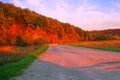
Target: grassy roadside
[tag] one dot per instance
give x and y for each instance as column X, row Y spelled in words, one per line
column 114, row 49
column 13, row 69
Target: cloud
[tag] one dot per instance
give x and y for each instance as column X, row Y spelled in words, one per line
column 61, row 10
column 34, row 2
column 85, row 15
column 35, row 5
column 89, row 17
column 18, row 3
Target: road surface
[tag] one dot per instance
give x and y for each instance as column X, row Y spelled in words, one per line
column 61, row 62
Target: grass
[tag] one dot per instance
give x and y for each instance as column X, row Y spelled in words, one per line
column 14, row 53
column 101, row 45
column 13, row 69
column 114, row 49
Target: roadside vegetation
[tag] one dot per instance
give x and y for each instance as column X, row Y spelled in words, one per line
column 111, row 45
column 13, row 64
column 9, row 54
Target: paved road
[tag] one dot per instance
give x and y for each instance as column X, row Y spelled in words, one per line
column 74, row 63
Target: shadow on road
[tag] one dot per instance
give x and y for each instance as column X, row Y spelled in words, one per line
column 43, row 70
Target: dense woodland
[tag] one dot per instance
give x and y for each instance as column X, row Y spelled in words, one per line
column 22, row 27
column 109, row 34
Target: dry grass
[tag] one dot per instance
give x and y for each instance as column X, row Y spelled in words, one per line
column 10, row 54
column 103, row 44
column 113, row 45
column 16, row 67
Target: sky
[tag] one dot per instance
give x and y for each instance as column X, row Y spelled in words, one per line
column 86, row 14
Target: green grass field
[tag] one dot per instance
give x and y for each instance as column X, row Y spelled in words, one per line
column 16, row 68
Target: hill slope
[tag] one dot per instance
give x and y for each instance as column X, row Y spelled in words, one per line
column 25, row 27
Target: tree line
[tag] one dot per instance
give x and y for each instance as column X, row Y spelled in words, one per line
column 109, row 34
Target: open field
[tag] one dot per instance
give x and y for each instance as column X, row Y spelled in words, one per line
column 113, row 45
column 17, row 61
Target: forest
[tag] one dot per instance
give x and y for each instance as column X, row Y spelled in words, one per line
column 23, row 27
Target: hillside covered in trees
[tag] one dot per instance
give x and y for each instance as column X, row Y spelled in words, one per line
column 109, row 34
column 25, row 27
column 22, row 27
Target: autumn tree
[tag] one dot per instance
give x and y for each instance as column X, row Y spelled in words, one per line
column 20, row 42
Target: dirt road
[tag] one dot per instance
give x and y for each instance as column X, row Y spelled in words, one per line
column 74, row 63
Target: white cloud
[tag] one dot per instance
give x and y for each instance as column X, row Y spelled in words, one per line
column 18, row 3
column 89, row 17
column 86, row 15
column 34, row 2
